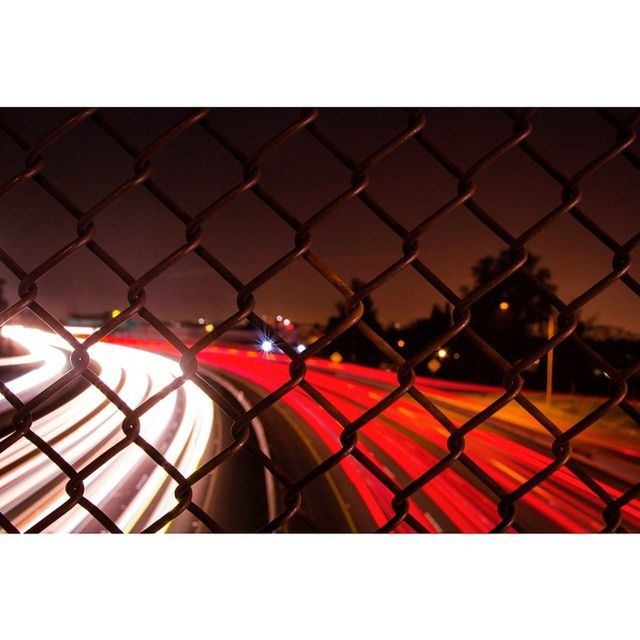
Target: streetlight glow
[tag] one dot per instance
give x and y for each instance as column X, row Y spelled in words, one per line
column 442, row 353
column 504, row 305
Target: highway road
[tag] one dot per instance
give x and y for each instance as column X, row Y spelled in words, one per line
column 405, row 441
column 297, row 434
column 131, row 488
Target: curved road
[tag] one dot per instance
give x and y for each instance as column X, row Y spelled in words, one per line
column 130, row 488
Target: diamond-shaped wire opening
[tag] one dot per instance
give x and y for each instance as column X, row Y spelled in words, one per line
column 343, row 124
column 410, row 184
column 516, row 191
column 611, row 197
column 571, row 137
column 48, row 225
column 246, row 226
column 466, row 134
column 572, row 280
column 86, row 165
column 267, row 123
column 190, row 291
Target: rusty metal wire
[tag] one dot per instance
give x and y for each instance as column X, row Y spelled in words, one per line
column 309, row 123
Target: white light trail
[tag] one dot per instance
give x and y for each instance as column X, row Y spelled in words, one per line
column 87, row 425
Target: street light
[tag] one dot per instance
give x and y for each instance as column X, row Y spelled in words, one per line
column 504, row 305
column 442, row 353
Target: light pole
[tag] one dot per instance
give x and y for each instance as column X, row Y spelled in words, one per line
column 551, row 328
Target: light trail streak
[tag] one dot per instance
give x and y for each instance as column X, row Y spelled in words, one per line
column 41, row 349
column 88, row 424
column 404, row 440
column 408, row 441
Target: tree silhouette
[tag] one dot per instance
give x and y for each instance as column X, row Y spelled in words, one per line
column 526, row 303
column 512, row 316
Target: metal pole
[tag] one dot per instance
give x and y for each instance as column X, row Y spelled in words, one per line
column 551, row 327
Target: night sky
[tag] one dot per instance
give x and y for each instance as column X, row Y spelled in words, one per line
column 247, row 236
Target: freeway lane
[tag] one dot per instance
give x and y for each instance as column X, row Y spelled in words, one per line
column 405, row 441
column 132, row 489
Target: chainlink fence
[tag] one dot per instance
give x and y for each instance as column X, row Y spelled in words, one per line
column 291, row 487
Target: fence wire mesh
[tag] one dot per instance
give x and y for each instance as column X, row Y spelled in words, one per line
column 291, row 488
